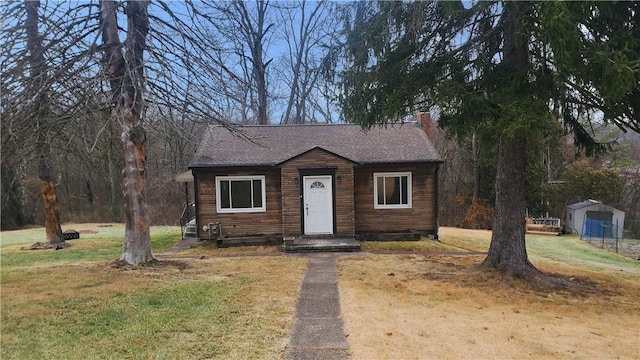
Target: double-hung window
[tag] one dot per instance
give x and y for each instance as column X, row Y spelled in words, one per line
column 240, row 193
column 392, row 190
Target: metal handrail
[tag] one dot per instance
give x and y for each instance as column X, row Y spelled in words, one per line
column 188, row 214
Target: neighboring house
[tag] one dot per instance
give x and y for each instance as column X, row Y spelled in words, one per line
column 317, row 180
column 594, row 219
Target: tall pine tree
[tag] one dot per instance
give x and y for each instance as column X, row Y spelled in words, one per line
column 506, row 70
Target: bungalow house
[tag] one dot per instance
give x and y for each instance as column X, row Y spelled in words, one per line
column 329, row 181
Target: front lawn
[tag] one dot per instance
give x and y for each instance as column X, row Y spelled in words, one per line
column 75, row 303
column 439, row 305
column 421, row 300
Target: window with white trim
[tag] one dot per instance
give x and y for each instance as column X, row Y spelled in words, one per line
column 392, row 190
column 240, row 193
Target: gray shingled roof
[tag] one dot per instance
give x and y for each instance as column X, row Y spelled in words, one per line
column 587, row 203
column 580, row 205
column 275, row 144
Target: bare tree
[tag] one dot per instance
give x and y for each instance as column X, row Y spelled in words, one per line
column 254, row 29
column 198, row 69
column 243, row 30
column 308, row 33
column 125, row 69
column 39, row 90
column 46, row 70
column 230, row 46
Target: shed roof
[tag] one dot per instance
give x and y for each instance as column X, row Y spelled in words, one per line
column 270, row 145
column 594, row 203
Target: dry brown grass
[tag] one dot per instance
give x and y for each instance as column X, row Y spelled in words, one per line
column 436, row 306
column 210, row 249
column 429, row 303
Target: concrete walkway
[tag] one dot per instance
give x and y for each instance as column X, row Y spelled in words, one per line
column 181, row 245
column 318, row 329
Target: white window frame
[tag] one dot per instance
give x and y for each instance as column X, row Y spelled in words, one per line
column 391, row 206
column 251, row 178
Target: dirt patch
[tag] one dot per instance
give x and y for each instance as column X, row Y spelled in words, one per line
column 209, row 249
column 155, row 264
column 464, row 273
column 87, row 231
column 46, row 246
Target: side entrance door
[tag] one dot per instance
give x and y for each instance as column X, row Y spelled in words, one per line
column 317, row 202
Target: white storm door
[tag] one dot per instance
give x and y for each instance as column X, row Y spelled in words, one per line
column 317, row 202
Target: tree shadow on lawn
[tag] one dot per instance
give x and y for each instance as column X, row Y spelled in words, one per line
column 466, row 271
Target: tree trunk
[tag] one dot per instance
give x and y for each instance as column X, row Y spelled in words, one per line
column 39, row 90
column 127, row 83
column 51, row 210
column 507, row 251
column 136, row 248
column 137, row 240
column 293, row 93
column 259, row 66
column 253, row 30
column 261, row 85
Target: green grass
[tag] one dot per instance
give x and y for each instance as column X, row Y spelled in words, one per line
column 571, row 250
column 187, row 320
column 566, row 249
column 126, row 325
column 72, row 304
column 88, row 232
column 106, row 244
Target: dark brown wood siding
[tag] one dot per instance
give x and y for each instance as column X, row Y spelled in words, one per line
column 317, row 160
column 268, row 223
column 421, row 215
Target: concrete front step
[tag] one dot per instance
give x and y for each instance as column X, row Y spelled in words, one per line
column 321, row 245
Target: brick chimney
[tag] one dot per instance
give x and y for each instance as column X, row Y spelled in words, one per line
column 425, row 121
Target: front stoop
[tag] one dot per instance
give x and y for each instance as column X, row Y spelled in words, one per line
column 320, row 245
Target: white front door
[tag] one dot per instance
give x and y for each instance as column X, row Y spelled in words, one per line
column 317, row 205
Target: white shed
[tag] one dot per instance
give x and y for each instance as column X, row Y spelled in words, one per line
column 576, row 214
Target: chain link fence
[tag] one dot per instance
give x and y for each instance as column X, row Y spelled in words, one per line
column 608, row 235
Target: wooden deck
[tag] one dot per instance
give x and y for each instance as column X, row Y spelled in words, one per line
column 544, row 226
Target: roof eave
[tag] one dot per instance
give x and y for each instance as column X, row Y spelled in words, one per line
column 429, row 161
column 209, row 166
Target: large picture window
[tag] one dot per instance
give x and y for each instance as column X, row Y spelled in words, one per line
column 240, row 193
column 392, row 190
